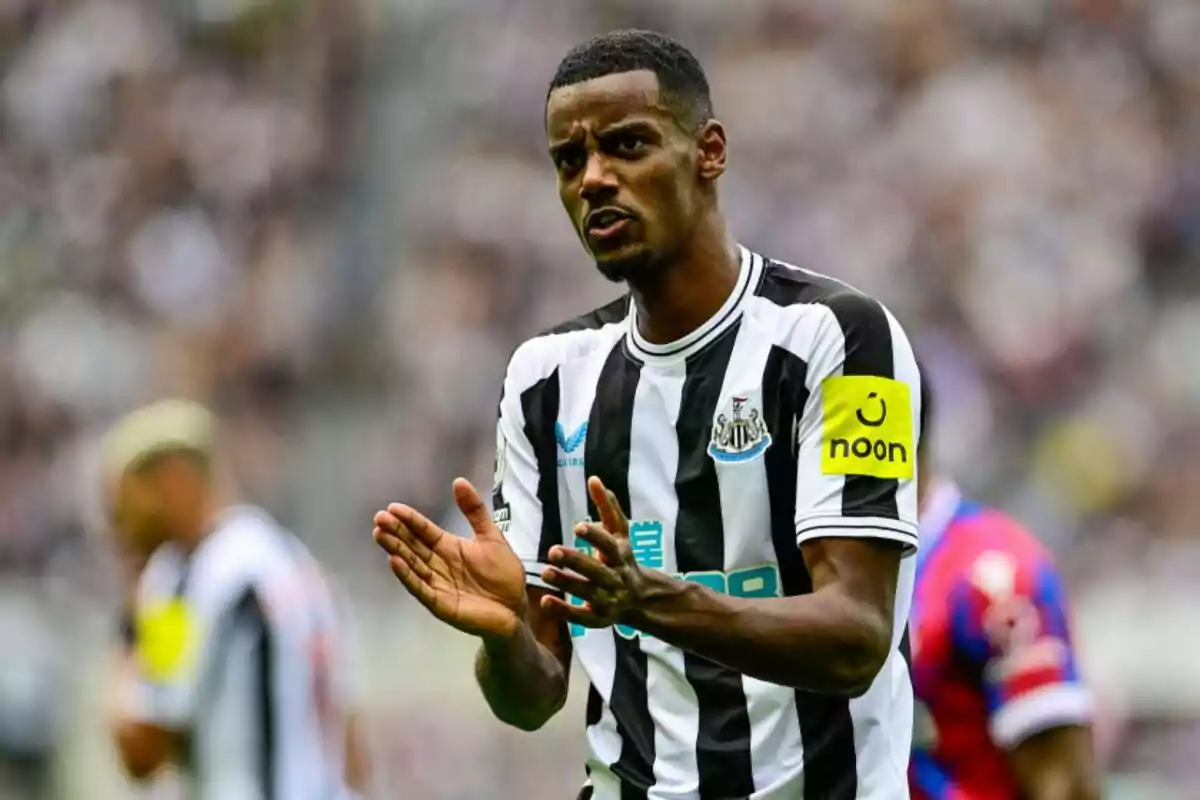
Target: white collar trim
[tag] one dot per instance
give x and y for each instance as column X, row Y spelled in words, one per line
column 747, row 284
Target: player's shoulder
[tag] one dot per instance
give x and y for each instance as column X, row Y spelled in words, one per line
column 995, row 554
column 788, row 285
column 246, row 544
column 993, row 529
column 539, row 355
column 795, row 295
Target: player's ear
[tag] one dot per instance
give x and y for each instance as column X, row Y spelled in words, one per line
column 710, row 144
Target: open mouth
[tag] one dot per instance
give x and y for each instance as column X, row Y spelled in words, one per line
column 606, row 222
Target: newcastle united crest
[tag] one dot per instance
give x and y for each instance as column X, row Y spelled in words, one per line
column 741, row 436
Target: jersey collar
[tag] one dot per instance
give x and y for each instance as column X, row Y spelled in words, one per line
column 748, row 279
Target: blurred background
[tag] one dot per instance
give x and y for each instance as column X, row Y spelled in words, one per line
column 334, row 220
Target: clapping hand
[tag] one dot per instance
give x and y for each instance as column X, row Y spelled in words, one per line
column 610, row 583
column 475, row 585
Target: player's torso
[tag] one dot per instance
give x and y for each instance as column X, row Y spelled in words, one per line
column 700, row 451
column 270, row 698
column 954, row 757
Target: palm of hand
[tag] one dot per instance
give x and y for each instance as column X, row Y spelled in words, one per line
column 478, row 585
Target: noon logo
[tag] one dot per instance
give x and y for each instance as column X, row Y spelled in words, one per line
column 568, row 445
column 867, row 427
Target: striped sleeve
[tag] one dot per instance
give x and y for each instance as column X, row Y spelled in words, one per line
column 858, row 431
column 525, row 480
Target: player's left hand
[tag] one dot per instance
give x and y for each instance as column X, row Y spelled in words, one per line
column 610, row 583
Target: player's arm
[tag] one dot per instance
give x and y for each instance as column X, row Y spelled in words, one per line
column 1010, row 620
column 358, row 763
column 524, row 677
column 141, row 750
column 855, row 519
column 178, row 640
column 1057, row 764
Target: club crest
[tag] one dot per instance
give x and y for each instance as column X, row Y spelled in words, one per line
column 740, row 436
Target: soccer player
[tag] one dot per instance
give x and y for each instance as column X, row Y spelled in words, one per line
column 705, row 489
column 234, row 662
column 1001, row 711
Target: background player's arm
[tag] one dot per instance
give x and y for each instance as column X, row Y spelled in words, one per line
column 525, row 678
column 854, row 519
column 358, row 762
column 1010, row 620
column 176, row 642
column 141, row 749
column 1056, row 764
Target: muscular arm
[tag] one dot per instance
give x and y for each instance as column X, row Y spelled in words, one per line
column 1056, row 764
column 834, row 640
column 525, row 678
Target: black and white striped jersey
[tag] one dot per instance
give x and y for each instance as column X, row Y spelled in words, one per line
column 791, row 415
column 242, row 649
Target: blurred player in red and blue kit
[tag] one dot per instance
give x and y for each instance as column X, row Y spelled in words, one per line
column 1001, row 709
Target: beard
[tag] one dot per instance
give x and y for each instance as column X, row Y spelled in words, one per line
column 637, row 266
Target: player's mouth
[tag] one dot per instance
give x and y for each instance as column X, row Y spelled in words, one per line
column 606, row 223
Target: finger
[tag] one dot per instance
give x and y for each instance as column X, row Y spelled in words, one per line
column 599, row 537
column 610, row 510
column 412, row 582
column 581, row 615
column 416, row 522
column 386, row 520
column 414, row 561
column 418, row 547
column 391, row 542
column 473, row 508
column 385, row 540
column 584, row 565
column 570, row 583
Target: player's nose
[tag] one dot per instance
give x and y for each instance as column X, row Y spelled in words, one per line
column 598, row 181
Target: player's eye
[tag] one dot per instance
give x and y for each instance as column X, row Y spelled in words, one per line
column 568, row 160
column 628, row 144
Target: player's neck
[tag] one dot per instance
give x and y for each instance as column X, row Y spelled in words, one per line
column 205, row 523
column 690, row 290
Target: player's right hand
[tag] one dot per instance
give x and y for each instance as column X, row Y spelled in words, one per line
column 476, row 585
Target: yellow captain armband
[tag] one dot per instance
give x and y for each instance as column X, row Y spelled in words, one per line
column 867, row 427
column 166, row 640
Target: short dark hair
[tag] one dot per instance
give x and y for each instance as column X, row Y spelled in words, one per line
column 681, row 79
column 926, row 415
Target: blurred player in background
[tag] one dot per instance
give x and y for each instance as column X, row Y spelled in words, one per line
column 1001, row 709
column 234, row 668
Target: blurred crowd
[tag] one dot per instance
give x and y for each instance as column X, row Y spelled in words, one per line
column 335, row 222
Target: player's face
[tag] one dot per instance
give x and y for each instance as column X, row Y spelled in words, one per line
column 153, row 505
column 629, row 175
column 137, row 514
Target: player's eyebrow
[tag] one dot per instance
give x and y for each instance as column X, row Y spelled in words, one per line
column 634, row 126
column 628, row 126
column 559, row 145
